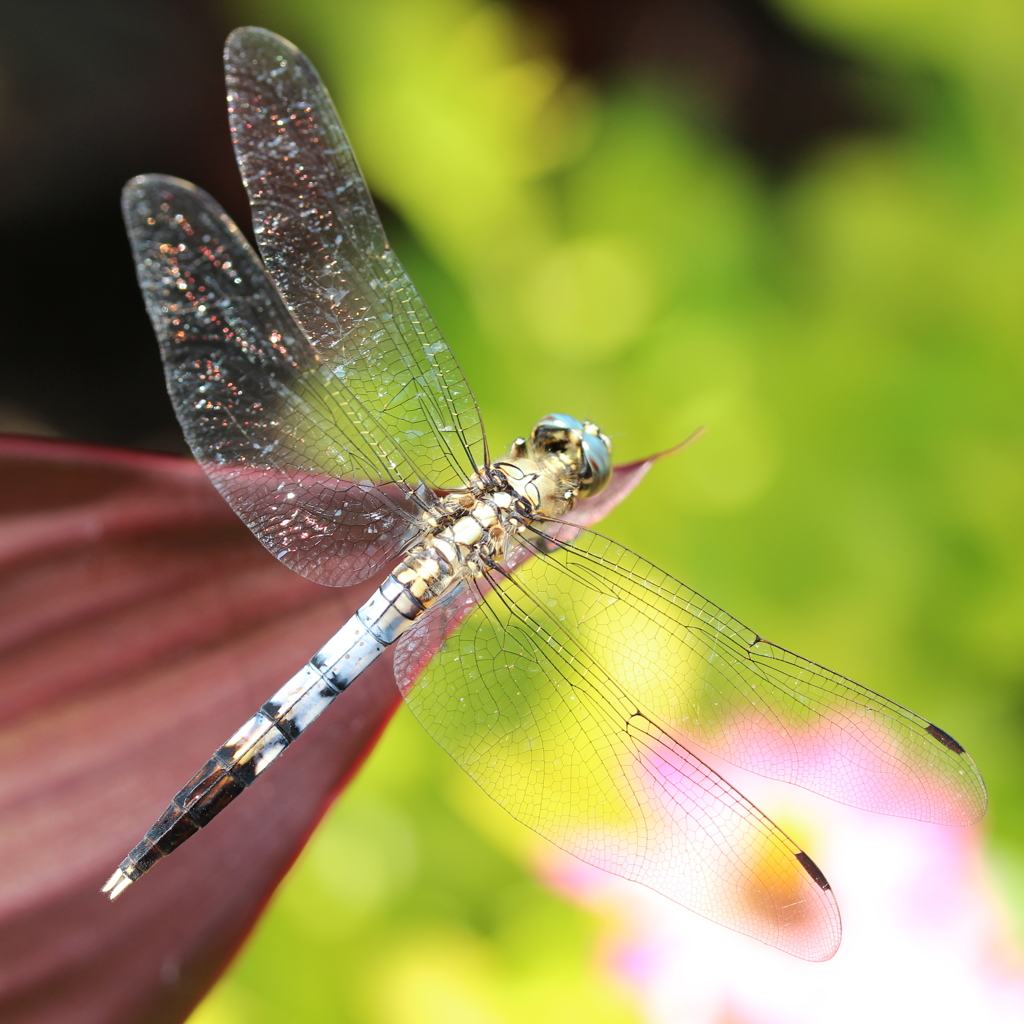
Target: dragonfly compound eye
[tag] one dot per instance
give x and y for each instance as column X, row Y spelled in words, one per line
column 588, row 449
column 597, row 460
column 555, row 434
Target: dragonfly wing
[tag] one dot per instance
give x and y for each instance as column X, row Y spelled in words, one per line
column 279, row 434
column 324, row 246
column 720, row 686
column 523, row 703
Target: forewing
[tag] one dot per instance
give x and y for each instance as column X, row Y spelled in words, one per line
column 524, row 701
column 280, row 435
column 324, row 246
column 719, row 685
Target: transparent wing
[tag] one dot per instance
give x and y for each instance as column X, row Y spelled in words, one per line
column 282, row 438
column 567, row 686
column 325, row 249
column 721, row 686
column 530, row 700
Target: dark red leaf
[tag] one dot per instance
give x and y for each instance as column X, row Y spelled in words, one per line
column 140, row 624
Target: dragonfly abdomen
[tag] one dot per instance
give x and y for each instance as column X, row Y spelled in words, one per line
column 256, row 745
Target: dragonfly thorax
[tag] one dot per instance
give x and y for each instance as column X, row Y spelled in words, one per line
column 468, row 532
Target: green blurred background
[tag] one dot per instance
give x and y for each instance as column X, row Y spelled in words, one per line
column 846, row 318
column 852, row 336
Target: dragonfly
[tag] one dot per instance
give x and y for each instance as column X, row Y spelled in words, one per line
column 571, row 678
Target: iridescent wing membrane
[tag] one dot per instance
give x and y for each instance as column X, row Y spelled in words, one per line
column 567, row 687
column 324, row 246
column 262, row 414
column 318, row 393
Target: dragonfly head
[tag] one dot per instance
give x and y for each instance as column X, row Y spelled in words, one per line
column 585, row 452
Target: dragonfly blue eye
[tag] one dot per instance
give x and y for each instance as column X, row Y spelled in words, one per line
column 597, row 462
column 558, row 421
column 558, row 433
column 570, row 676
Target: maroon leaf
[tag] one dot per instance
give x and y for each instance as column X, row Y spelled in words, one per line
column 140, row 624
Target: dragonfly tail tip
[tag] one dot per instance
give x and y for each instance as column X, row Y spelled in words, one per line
column 116, row 884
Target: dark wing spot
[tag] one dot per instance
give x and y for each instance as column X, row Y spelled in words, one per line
column 813, row 870
column 945, row 739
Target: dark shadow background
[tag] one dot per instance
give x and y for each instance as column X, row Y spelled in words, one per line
column 93, row 92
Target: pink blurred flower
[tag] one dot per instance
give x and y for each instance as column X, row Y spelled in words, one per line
column 924, row 936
